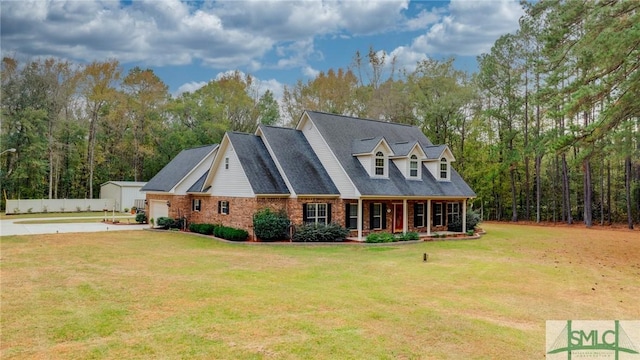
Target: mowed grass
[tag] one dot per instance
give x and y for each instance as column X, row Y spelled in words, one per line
column 132, row 295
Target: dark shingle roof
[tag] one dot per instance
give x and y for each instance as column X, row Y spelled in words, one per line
column 178, row 168
column 257, row 164
column 340, row 131
column 299, row 163
column 197, row 186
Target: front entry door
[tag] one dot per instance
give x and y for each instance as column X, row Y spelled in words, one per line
column 398, row 218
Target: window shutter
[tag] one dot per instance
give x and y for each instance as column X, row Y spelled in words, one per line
column 219, row 207
column 347, row 217
column 328, row 213
column 304, row 213
column 384, row 216
column 371, row 216
column 415, row 215
column 228, row 208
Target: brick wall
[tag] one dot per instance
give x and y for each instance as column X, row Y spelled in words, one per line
column 241, row 211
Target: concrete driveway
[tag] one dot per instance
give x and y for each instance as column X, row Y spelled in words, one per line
column 15, row 227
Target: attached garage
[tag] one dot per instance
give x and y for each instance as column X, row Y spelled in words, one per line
column 125, row 194
column 158, row 208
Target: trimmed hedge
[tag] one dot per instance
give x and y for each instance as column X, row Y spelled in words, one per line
column 141, row 218
column 230, row 233
column 408, row 236
column 271, row 226
column 320, row 233
column 381, row 237
column 384, row 237
column 206, row 229
column 164, row 222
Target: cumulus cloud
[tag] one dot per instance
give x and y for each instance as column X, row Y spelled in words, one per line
column 470, row 27
column 189, row 87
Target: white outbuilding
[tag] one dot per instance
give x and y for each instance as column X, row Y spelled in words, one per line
column 126, row 194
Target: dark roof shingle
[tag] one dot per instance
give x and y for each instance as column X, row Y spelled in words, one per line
column 340, row 131
column 178, row 168
column 257, row 164
column 299, row 163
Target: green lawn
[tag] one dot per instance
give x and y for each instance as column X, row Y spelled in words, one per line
column 129, row 295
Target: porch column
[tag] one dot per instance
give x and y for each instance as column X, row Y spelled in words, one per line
column 464, row 215
column 405, row 221
column 428, row 215
column 359, row 227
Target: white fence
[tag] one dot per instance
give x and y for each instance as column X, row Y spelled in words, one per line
column 58, row 205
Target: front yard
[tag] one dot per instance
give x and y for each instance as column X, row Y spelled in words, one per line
column 174, row 295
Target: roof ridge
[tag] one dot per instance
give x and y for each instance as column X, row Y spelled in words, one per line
column 359, row 118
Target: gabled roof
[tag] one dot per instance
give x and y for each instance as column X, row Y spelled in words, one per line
column 403, row 148
column 437, row 151
column 298, row 161
column 126, row 183
column 258, row 166
column 197, row 186
column 339, row 131
column 178, row 168
column 366, row 146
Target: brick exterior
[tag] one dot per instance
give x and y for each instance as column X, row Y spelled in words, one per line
column 241, row 211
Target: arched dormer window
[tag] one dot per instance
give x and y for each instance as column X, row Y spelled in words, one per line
column 379, row 166
column 444, row 169
column 413, row 166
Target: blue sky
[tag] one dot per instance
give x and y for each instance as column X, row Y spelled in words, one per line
column 188, row 43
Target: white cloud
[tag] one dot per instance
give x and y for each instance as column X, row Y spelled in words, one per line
column 470, row 28
column 189, row 87
column 406, row 58
column 310, row 72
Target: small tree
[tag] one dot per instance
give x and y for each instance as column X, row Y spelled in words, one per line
column 270, row 226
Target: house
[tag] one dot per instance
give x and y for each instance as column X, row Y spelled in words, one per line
column 168, row 188
column 125, row 194
column 365, row 175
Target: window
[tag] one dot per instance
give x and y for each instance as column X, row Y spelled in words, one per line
column 223, row 207
column 226, row 163
column 377, row 216
column 379, row 163
column 444, row 169
column 317, row 213
column 196, row 205
column 437, row 214
column 453, row 212
column 352, row 216
column 413, row 166
column 418, row 215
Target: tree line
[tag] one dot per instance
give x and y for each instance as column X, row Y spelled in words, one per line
column 547, row 129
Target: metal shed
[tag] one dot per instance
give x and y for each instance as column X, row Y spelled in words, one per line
column 126, row 194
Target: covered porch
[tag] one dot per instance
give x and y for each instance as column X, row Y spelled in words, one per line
column 426, row 216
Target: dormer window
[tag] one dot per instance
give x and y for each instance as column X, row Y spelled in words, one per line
column 444, row 169
column 380, row 163
column 413, row 166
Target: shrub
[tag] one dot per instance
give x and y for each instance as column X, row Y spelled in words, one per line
column 206, row 229
column 141, row 218
column 230, row 233
column 320, row 233
column 409, row 236
column 271, row 226
column 126, row 210
column 473, row 218
column 382, row 237
column 164, row 222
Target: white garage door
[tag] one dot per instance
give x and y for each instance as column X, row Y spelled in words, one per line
column 158, row 209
